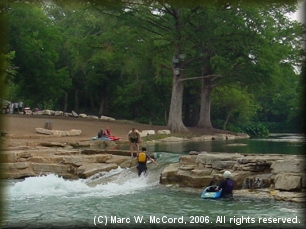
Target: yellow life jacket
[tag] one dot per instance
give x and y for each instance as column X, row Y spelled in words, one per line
column 142, row 157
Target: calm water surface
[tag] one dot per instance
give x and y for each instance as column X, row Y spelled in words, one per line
column 50, row 201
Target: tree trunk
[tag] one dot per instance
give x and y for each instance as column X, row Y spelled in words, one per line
column 92, row 104
column 65, row 102
column 175, row 123
column 195, row 115
column 204, row 121
column 226, row 120
column 101, row 107
column 76, row 101
column 187, row 114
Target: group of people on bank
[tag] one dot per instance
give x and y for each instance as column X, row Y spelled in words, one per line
column 13, row 107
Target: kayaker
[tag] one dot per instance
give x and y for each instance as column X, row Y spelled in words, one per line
column 101, row 133
column 227, row 185
column 107, row 132
column 142, row 159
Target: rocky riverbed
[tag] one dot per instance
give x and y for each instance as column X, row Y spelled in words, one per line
column 281, row 177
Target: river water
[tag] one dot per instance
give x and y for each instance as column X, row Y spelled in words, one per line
column 120, row 199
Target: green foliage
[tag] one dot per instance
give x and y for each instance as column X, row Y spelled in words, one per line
column 115, row 59
column 255, row 130
column 233, row 104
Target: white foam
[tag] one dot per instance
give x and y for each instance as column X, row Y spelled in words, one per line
column 116, row 182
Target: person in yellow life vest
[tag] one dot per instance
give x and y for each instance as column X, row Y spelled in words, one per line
column 142, row 159
column 134, row 139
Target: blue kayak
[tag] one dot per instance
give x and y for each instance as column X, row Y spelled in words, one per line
column 103, row 138
column 210, row 193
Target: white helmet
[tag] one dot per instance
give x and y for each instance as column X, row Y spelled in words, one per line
column 227, row 174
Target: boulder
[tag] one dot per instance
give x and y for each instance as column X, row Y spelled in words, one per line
column 107, row 118
column 73, row 132
column 288, row 181
column 58, row 113
column 147, row 132
column 46, row 112
column 92, row 117
column 164, row 132
column 74, row 114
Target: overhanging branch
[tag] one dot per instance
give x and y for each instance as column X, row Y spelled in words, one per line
column 213, row 77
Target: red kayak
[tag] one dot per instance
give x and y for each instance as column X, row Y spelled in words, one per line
column 113, row 138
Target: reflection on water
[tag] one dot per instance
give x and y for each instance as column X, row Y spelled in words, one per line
column 275, row 144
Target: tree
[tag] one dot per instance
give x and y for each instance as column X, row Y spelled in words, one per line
column 34, row 41
column 234, row 102
column 236, row 42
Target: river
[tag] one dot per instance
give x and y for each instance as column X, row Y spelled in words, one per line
column 120, row 199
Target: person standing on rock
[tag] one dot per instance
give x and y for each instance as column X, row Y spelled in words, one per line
column 227, row 185
column 142, row 159
column 20, row 106
column 134, row 139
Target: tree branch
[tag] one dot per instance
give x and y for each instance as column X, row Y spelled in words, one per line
column 214, row 77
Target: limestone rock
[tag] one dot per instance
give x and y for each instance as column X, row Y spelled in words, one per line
column 203, row 138
column 188, row 159
column 87, row 170
column 288, row 181
column 164, row 132
column 74, row 114
column 79, row 160
column 288, row 166
column 146, row 133
column 168, row 176
column 193, row 153
column 58, row 113
column 222, row 164
column 42, row 168
column 172, row 139
column 205, row 158
column 44, row 131
column 92, row 117
column 107, row 118
column 46, row 112
column 72, row 132
column 290, row 196
column 54, row 144
column 186, row 179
